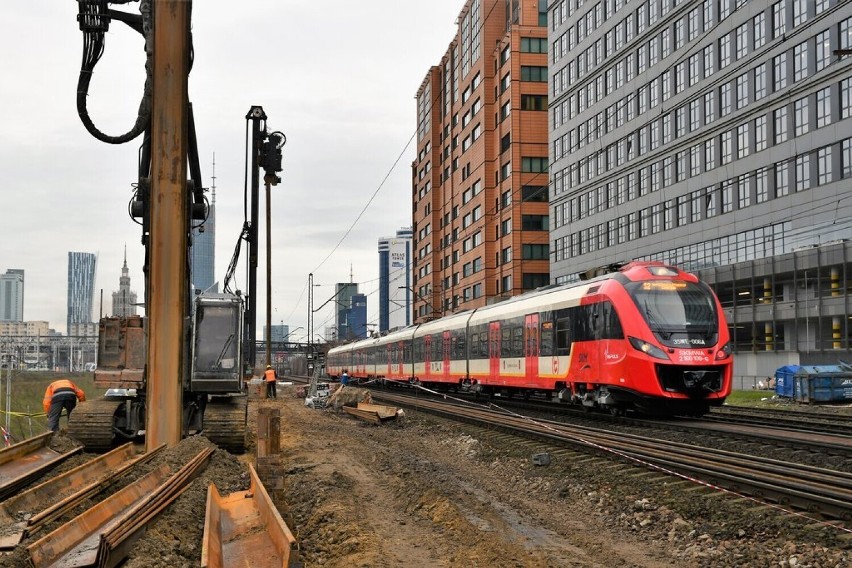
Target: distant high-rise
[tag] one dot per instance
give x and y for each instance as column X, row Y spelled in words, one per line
column 81, row 287
column 395, row 290
column 343, row 301
column 203, row 263
column 356, row 317
column 12, row 295
column 124, row 300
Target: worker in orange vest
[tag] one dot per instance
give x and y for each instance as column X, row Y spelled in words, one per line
column 60, row 394
column 271, row 379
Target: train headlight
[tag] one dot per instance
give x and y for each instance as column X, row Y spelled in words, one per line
column 724, row 352
column 645, row 347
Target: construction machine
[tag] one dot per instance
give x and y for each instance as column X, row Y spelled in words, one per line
column 181, row 369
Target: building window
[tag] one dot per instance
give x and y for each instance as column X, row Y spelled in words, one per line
column 803, row 172
column 743, row 192
column 709, row 108
column 505, row 142
column 759, row 25
column 823, row 50
column 535, row 223
column 760, row 81
column 709, row 154
column 533, row 280
column 711, row 201
column 782, row 179
column 760, row 133
column 536, row 252
column 846, row 157
column 533, row 164
column 695, row 206
column 506, row 284
column 742, row 140
column 724, row 51
column 505, row 171
column 742, row 41
column 800, row 116
column 727, row 147
column 779, row 20
column 505, row 227
column 534, row 73
column 823, row 107
column 800, row 61
column 780, row 125
column 742, row 90
column 846, row 98
column 533, row 102
column 533, row 45
column 725, row 99
column 824, row 165
column 800, row 12
column 779, row 66
column 761, row 185
column 534, row 193
column 846, row 34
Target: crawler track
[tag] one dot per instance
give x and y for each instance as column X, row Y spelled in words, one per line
column 91, row 424
column 225, row 422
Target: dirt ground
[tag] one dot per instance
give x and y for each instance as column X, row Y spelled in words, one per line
column 421, row 492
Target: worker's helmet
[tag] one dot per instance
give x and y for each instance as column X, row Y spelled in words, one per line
column 269, row 366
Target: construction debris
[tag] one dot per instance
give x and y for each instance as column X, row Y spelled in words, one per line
column 375, row 413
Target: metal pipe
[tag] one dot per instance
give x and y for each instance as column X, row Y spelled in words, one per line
column 268, row 275
column 168, row 291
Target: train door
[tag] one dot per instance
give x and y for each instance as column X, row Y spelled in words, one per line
column 446, row 354
column 400, row 354
column 531, row 346
column 494, row 350
column 427, row 356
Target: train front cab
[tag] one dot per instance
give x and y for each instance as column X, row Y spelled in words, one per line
column 652, row 339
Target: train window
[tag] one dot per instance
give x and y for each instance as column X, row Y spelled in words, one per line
column 418, row 350
column 437, row 348
column 610, row 323
column 506, row 342
column 517, row 341
column 546, row 338
column 563, row 336
column 461, row 346
column 406, row 352
column 474, row 343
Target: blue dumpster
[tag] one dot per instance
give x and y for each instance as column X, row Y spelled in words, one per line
column 823, row 383
column 784, row 382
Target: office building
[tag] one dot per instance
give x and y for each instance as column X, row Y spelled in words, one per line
column 714, row 135
column 278, row 333
column 479, row 182
column 124, row 299
column 12, row 295
column 395, row 290
column 81, row 287
column 343, row 292
column 203, row 252
column 356, row 318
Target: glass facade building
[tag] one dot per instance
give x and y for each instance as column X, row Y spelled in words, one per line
column 81, row 287
column 12, row 295
column 704, row 133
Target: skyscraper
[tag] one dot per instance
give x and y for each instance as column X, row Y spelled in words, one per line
column 12, row 295
column 479, row 185
column 203, row 263
column 343, row 302
column 81, row 287
column 395, row 291
column 714, row 135
column 124, row 300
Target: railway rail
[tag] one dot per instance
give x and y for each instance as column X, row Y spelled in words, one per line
column 819, row 491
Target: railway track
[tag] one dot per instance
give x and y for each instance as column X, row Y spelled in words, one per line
column 822, row 492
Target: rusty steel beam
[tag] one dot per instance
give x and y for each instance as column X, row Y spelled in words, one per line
column 27, row 460
column 245, row 528
column 168, row 288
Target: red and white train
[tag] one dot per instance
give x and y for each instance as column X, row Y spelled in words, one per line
column 646, row 337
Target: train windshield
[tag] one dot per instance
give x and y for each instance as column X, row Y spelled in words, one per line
column 674, row 306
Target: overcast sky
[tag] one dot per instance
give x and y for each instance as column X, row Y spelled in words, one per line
column 337, row 77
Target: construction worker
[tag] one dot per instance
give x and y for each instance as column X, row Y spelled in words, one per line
column 60, row 394
column 271, row 379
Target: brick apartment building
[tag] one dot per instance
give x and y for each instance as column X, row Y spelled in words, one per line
column 480, row 179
